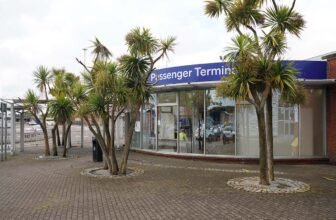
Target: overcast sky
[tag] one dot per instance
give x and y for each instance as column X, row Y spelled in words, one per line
column 54, row 32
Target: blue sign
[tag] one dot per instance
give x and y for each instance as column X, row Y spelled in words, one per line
column 216, row 71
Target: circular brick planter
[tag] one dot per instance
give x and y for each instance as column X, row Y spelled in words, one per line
column 100, row 172
column 280, row 185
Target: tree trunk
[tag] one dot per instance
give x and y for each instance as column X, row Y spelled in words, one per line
column 46, row 141
column 45, row 134
column 66, row 135
column 115, row 169
column 54, row 147
column 100, row 139
column 262, row 148
column 62, row 144
column 105, row 166
column 107, row 139
column 269, row 138
column 64, row 140
column 129, row 134
column 103, row 147
column 58, row 136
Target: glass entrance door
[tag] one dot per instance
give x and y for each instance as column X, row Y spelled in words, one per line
column 167, row 129
column 191, row 122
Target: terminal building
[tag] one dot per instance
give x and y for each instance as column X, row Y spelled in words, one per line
column 185, row 117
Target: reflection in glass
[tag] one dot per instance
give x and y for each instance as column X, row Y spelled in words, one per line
column 312, row 124
column 190, row 120
column 220, row 124
column 247, row 130
column 149, row 124
column 167, row 97
column 167, row 129
column 136, row 138
column 181, row 125
column 285, row 128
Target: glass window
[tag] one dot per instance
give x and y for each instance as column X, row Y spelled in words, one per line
column 285, row 128
column 312, row 124
column 220, row 124
column 167, row 97
column 167, row 128
column 191, row 114
column 136, row 134
column 247, row 130
column 149, row 124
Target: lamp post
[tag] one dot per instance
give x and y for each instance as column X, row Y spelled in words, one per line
column 84, row 50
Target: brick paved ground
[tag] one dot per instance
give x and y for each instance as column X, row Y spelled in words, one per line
column 169, row 189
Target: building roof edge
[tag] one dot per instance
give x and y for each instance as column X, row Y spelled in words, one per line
column 329, row 56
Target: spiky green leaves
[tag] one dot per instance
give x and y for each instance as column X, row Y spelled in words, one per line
column 62, row 109
column 243, row 52
column 284, row 79
column 274, row 43
column 244, row 12
column 134, row 67
column 134, row 70
column 141, row 42
column 284, row 19
column 284, row 76
column 215, row 8
column 63, row 83
column 100, row 51
column 31, row 102
column 167, row 45
column 42, row 78
column 104, row 74
column 144, row 52
column 237, row 86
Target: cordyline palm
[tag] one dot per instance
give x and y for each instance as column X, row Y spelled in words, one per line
column 113, row 94
column 63, row 85
column 93, row 100
column 144, row 52
column 59, row 86
column 100, row 51
column 62, row 109
column 31, row 104
column 63, row 82
column 102, row 98
column 247, row 84
column 255, row 60
column 280, row 20
column 42, row 79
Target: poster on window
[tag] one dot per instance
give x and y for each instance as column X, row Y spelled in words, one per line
column 137, row 126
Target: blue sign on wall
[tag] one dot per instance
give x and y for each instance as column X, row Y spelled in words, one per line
column 216, row 71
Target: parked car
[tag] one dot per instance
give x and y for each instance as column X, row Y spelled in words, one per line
column 229, row 134
column 212, row 133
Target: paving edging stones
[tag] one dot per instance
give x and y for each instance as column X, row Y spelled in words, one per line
column 42, row 157
column 280, row 185
column 100, row 172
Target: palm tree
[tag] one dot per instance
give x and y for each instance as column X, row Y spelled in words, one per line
column 255, row 60
column 280, row 19
column 42, row 78
column 100, row 99
column 144, row 52
column 100, row 51
column 63, row 85
column 62, row 110
column 110, row 87
column 32, row 104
